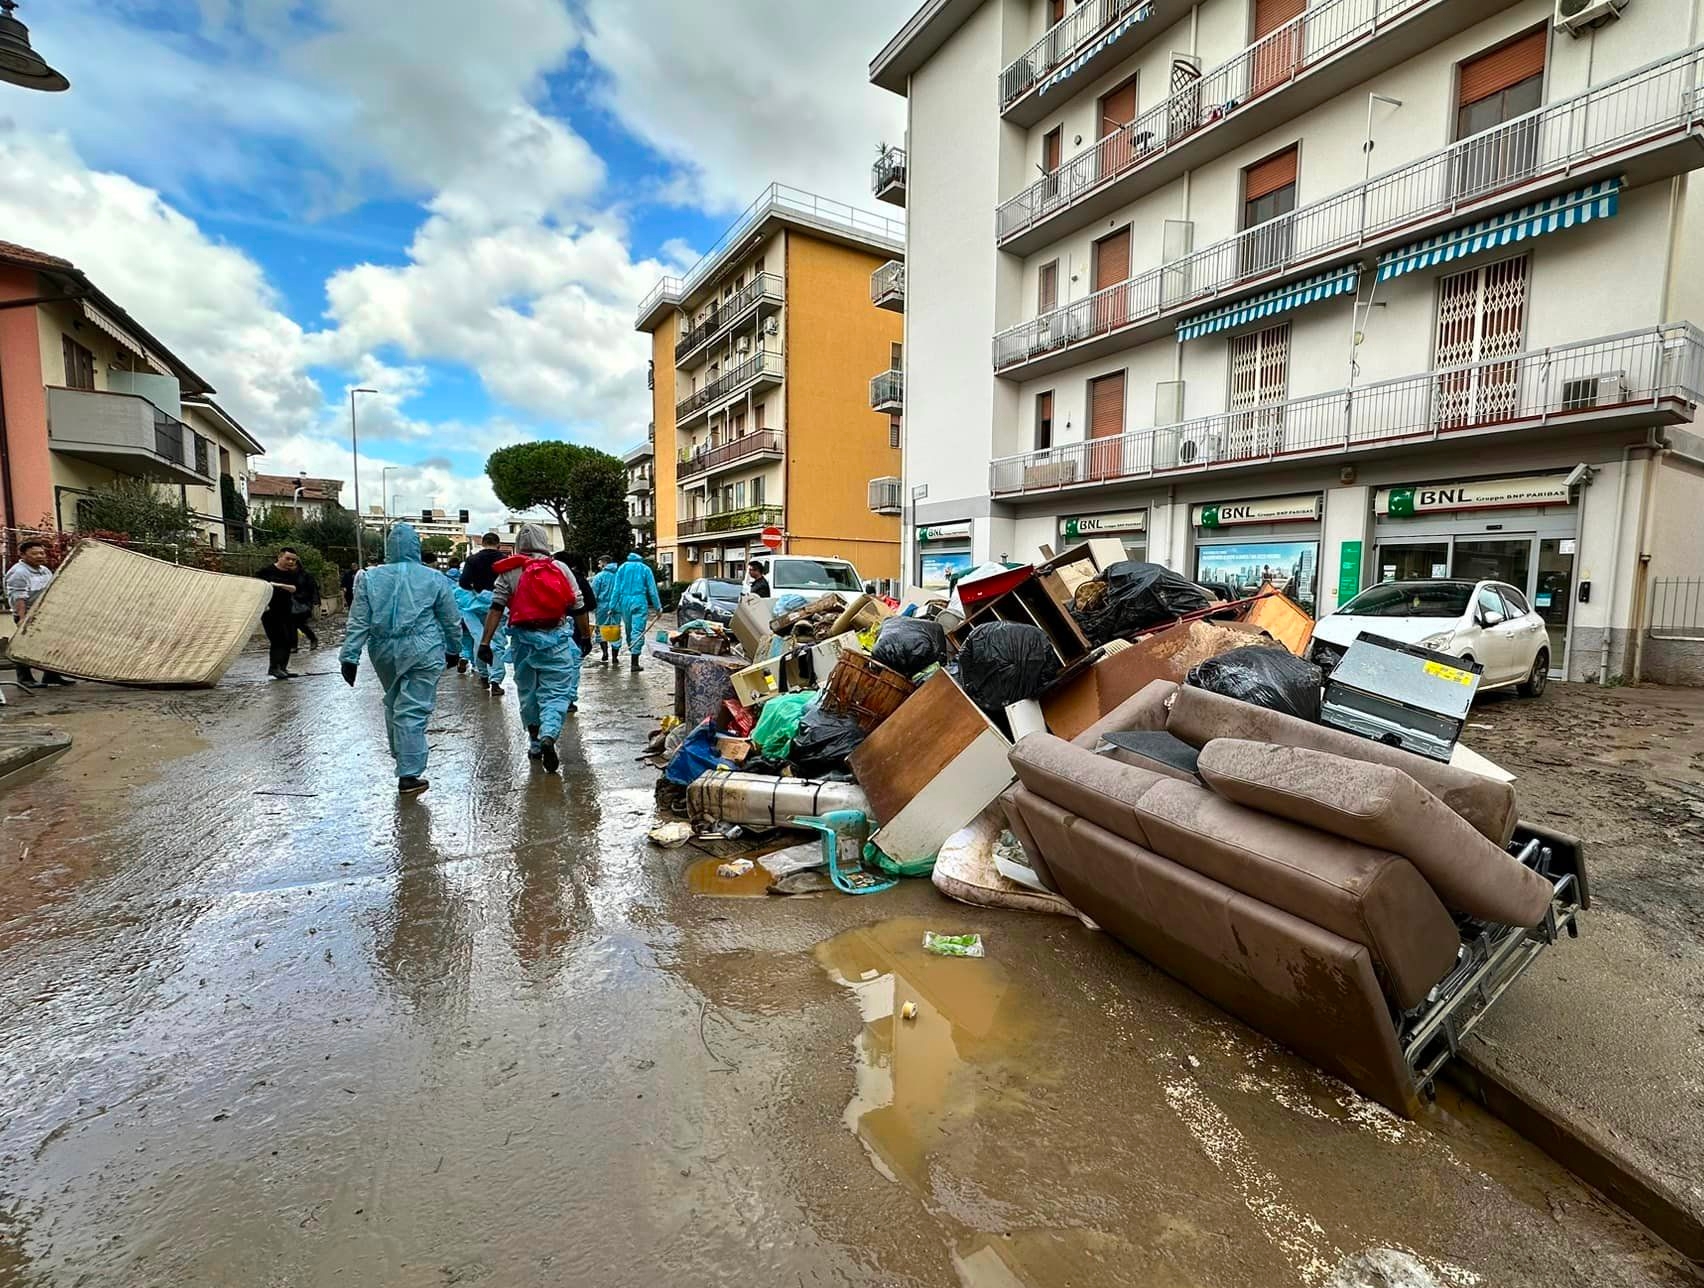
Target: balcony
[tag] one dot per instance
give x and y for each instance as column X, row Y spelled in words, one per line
column 762, row 444
column 127, row 434
column 1643, row 126
column 1331, row 48
column 761, row 293
column 765, row 367
column 1633, row 380
column 884, row 496
column 887, row 391
column 749, row 518
column 638, row 482
column 887, row 178
column 887, row 286
column 1077, row 49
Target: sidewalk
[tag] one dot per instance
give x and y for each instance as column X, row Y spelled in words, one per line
column 1598, row 1052
column 21, row 745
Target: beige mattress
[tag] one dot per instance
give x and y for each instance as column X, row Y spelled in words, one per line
column 122, row 617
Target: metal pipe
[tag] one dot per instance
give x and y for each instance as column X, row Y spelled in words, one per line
column 1614, row 559
column 1642, row 563
column 1573, row 608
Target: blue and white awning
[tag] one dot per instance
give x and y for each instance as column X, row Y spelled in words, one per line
column 1282, row 299
column 1140, row 14
column 1598, row 201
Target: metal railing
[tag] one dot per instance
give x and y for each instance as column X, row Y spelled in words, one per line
column 1677, row 608
column 887, row 390
column 888, row 171
column 1612, row 373
column 750, row 516
column 713, row 458
column 1638, row 107
column 888, row 282
column 794, row 203
column 884, row 496
column 1059, row 44
column 724, row 313
column 765, row 362
column 169, row 433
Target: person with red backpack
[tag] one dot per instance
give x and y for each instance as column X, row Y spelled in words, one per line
column 540, row 596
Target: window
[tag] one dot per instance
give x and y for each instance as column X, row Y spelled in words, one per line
column 757, row 414
column 1117, row 148
column 1276, row 54
column 200, row 453
column 739, row 495
column 1047, row 287
column 1044, row 420
column 1269, row 195
column 1052, row 153
column 1481, row 316
column 814, row 574
column 1438, row 599
column 895, row 439
column 1260, row 381
column 757, row 490
column 224, row 461
column 1516, row 601
column 896, row 356
column 79, row 366
column 1491, row 602
column 1494, row 90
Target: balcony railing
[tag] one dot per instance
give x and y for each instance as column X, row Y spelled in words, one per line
column 765, row 287
column 1060, row 43
column 887, row 391
column 887, row 285
column 1615, row 376
column 742, row 448
column 765, row 362
column 751, row 516
column 1602, row 122
column 126, row 433
column 887, row 176
column 884, row 496
column 1275, row 60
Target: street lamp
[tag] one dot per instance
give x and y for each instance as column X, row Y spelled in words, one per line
column 19, row 64
column 385, row 495
column 355, row 461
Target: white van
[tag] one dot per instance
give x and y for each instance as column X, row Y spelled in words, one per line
column 810, row 575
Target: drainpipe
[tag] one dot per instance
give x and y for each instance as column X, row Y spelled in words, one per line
column 1573, row 616
column 1641, row 583
column 1614, row 560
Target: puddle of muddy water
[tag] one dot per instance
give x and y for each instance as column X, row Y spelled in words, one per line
column 702, row 878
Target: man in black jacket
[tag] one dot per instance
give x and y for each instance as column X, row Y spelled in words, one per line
column 284, row 575
column 479, row 570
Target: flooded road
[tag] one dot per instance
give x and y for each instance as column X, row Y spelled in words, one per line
column 264, row 1024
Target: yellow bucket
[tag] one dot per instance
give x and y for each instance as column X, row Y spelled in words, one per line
column 611, row 634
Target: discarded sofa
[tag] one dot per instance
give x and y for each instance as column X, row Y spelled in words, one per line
column 1359, row 904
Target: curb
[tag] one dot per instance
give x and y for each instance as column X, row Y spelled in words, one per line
column 1589, row 1153
column 19, row 749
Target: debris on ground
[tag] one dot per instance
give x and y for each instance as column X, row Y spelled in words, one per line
column 670, row 835
column 952, row 945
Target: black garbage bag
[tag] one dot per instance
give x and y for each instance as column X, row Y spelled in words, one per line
column 1006, row 662
column 1266, row 676
column 910, row 645
column 1138, row 596
column 823, row 743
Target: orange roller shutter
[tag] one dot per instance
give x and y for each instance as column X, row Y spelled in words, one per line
column 1270, row 175
column 1496, row 71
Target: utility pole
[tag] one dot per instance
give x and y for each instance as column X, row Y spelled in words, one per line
column 355, row 463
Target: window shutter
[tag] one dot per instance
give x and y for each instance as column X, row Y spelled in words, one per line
column 1118, row 108
column 1106, row 406
column 1496, row 71
column 1112, row 259
column 1269, row 15
column 1047, row 288
column 1269, row 175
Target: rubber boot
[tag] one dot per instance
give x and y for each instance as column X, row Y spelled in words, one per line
column 635, row 664
column 411, row 786
column 547, row 753
column 535, row 749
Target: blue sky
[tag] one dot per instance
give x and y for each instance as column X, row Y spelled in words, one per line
column 458, row 205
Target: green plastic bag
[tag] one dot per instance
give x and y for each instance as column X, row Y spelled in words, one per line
column 875, row 858
column 778, row 722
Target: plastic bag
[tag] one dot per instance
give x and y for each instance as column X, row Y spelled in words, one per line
column 910, row 645
column 778, row 722
column 952, row 945
column 696, row 757
column 1266, row 676
column 823, row 742
column 1006, row 662
column 1138, row 596
column 787, row 604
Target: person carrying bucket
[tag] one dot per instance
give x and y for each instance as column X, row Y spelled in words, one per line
column 609, row 625
column 539, row 595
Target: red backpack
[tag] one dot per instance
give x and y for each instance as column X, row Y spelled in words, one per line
column 544, row 595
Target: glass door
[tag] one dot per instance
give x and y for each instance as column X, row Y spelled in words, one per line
column 1494, row 559
column 1413, row 560
column 1552, row 596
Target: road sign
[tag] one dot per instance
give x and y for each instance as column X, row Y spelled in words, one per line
column 771, row 538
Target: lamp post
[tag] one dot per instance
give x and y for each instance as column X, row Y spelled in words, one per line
column 355, row 462
column 385, row 495
column 19, row 64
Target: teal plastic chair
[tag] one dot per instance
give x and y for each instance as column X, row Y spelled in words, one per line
column 844, row 832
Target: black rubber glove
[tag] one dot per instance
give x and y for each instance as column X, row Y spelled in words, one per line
column 452, row 660
column 485, row 654
column 349, row 674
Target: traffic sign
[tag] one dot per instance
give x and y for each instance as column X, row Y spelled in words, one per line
column 771, row 538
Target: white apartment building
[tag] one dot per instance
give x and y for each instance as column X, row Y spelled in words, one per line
column 1342, row 291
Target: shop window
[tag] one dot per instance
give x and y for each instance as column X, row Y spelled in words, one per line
column 1291, row 567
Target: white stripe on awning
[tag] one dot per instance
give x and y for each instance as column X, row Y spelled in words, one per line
column 123, row 337
column 1281, row 299
column 1598, row 201
column 1140, row 14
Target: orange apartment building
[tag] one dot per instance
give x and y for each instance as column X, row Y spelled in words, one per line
column 761, row 391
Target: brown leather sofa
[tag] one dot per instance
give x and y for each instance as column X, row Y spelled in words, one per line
column 1351, row 900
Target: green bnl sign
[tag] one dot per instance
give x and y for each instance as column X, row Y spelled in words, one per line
column 1401, row 502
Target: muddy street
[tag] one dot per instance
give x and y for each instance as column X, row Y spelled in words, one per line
column 266, row 1024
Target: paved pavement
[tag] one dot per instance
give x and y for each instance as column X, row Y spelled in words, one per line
column 264, row 1024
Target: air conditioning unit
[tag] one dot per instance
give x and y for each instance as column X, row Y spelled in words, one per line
column 1197, row 447
column 743, row 345
column 692, row 554
column 1576, row 16
column 1584, row 393
column 771, row 326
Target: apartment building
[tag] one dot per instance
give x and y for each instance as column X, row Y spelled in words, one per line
column 641, row 493
column 450, row 525
column 762, row 358
column 88, row 396
column 298, row 496
column 1336, row 292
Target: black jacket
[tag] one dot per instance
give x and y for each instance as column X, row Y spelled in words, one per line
column 479, row 573
column 280, row 605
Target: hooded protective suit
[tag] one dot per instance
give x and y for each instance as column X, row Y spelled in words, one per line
column 635, row 598
column 404, row 615
column 546, row 662
column 473, row 606
column 603, row 586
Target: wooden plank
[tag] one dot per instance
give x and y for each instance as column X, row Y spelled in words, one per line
column 950, row 801
column 913, row 745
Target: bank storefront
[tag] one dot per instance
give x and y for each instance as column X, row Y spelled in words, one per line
column 943, row 552
column 1523, row 530
column 1240, row 544
column 1130, row 527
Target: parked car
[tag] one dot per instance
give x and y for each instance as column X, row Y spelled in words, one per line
column 1488, row 622
column 812, row 575
column 707, row 600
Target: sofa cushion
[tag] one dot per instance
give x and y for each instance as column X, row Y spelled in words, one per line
column 1365, row 895
column 1198, row 717
column 1382, row 807
column 1145, row 710
column 1158, row 752
column 1082, row 783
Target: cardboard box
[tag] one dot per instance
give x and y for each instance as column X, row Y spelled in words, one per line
column 823, row 656
column 751, row 623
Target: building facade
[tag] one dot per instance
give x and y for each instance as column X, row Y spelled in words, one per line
column 762, row 356
column 427, row 522
column 298, row 496
column 88, row 396
column 642, row 493
column 1340, row 291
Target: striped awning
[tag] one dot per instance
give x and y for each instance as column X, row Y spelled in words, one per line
column 1310, row 290
column 1597, row 201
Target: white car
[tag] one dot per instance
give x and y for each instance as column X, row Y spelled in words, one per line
column 1488, row 622
column 810, row 575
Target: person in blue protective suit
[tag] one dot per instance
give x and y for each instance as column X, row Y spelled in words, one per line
column 635, row 596
column 541, row 598
column 473, row 599
column 603, row 586
column 404, row 616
